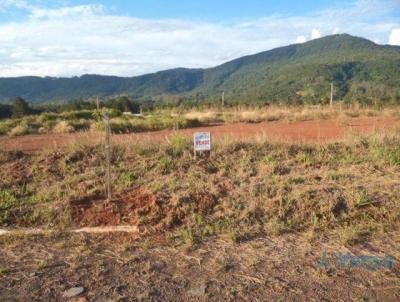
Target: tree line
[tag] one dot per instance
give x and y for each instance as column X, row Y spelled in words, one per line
column 20, row 107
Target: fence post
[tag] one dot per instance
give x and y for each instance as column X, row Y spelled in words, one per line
column 108, row 156
column 194, row 147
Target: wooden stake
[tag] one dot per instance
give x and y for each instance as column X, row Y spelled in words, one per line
column 331, row 94
column 194, row 149
column 223, row 98
column 108, row 156
column 209, row 155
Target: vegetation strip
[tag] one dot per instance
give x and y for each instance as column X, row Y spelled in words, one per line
column 348, row 189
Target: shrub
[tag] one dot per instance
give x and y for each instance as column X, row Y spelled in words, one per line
column 120, row 125
column 45, row 117
column 21, row 129
column 97, row 126
column 76, row 115
column 49, row 125
column 4, row 128
column 63, row 127
column 178, row 144
column 7, row 125
column 80, row 125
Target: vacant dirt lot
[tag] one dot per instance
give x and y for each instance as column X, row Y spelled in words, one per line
column 251, row 224
column 121, row 268
column 311, row 131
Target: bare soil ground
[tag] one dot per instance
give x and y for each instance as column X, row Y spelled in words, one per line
column 121, row 268
column 310, row 131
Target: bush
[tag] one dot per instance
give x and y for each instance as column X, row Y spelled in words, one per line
column 45, row 117
column 49, row 125
column 119, row 125
column 21, row 129
column 80, row 125
column 4, row 128
column 63, row 127
column 7, row 125
column 76, row 115
column 97, row 126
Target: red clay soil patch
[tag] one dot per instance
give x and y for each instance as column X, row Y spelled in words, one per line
column 326, row 130
column 95, row 211
column 36, row 142
column 151, row 213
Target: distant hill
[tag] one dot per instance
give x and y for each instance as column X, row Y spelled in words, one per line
column 299, row 73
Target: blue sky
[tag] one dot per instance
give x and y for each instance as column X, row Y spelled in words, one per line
column 210, row 10
column 126, row 38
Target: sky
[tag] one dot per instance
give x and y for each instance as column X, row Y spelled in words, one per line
column 128, row 38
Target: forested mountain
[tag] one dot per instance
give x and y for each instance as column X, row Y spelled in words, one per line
column 300, row 73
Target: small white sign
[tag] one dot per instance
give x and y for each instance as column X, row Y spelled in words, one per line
column 202, row 141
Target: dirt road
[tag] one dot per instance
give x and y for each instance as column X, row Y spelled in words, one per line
column 326, row 130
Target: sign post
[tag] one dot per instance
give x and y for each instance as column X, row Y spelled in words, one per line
column 202, row 142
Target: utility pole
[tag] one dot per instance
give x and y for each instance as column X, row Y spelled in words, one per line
column 108, row 156
column 331, row 94
column 223, row 98
column 97, row 103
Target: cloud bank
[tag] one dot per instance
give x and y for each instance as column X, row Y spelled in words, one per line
column 394, row 38
column 75, row 40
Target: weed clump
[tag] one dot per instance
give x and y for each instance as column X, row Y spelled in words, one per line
column 63, row 127
column 19, row 130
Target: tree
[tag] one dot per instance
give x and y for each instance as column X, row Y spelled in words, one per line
column 20, row 108
column 123, row 104
column 5, row 111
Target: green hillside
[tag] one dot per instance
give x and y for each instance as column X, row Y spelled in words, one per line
column 360, row 69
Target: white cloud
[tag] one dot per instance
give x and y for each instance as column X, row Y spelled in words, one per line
column 394, row 38
column 74, row 40
column 74, row 11
column 5, row 4
column 315, row 34
column 301, row 39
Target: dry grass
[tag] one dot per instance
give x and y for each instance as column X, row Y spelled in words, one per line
column 280, row 268
column 77, row 121
column 251, row 223
column 63, row 127
column 19, row 130
column 289, row 114
column 179, row 119
column 248, row 189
